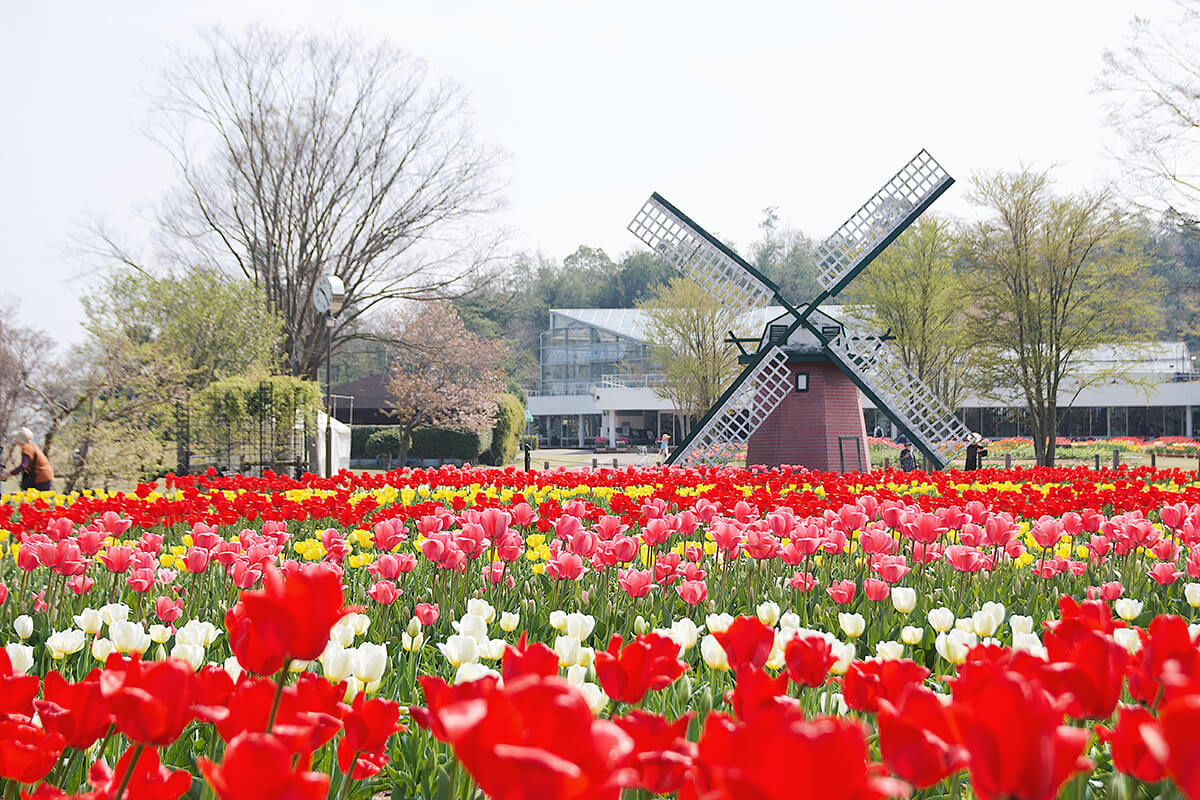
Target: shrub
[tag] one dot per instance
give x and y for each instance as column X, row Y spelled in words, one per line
column 443, row 443
column 358, row 439
column 384, row 442
column 510, row 419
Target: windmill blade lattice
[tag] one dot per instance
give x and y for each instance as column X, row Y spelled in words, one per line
column 691, row 250
column 748, row 403
column 880, row 220
column 902, row 394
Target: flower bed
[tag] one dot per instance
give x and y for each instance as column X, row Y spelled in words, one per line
column 613, row 633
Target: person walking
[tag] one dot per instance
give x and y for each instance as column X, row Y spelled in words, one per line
column 35, row 469
column 664, row 445
column 975, row 452
column 907, row 461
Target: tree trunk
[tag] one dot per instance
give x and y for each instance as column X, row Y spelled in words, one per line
column 405, row 444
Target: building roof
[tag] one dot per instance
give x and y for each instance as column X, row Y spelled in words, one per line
column 631, row 322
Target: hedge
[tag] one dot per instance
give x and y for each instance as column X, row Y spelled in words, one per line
column 442, row 443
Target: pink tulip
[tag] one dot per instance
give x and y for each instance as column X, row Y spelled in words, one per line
column 692, row 592
column 636, row 583
column 802, row 581
column 1164, row 574
column 842, row 592
column 427, row 613
column 166, row 609
column 875, row 590
column 383, row 592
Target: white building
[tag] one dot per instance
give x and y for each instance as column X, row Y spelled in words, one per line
column 597, row 379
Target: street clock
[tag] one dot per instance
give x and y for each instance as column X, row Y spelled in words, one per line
column 328, row 295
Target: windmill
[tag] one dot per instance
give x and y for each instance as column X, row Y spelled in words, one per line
column 797, row 400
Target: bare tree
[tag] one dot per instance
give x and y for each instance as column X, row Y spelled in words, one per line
column 300, row 156
column 26, row 361
column 445, row 377
column 1153, row 89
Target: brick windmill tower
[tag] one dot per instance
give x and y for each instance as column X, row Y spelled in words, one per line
column 797, row 400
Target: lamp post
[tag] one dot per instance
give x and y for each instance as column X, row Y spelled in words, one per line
column 329, row 295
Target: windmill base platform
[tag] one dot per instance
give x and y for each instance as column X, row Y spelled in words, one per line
column 821, row 428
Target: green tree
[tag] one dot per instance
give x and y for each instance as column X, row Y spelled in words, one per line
column 914, row 291
column 1050, row 279
column 787, row 257
column 686, row 329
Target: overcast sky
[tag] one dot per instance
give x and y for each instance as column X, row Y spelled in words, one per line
column 724, row 108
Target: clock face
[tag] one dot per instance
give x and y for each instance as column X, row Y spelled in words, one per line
column 321, row 296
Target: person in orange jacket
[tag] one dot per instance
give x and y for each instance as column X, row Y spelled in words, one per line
column 35, row 469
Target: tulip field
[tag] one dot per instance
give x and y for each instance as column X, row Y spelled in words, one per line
column 700, row 634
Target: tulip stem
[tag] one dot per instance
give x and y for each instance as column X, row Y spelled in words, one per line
column 283, row 673
column 137, row 754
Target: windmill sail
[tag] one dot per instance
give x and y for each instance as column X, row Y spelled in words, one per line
column 880, row 220
column 697, row 254
column 898, row 392
column 726, row 429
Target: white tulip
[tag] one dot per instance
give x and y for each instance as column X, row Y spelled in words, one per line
column 196, row 632
column 1193, row 631
column 192, row 654
column 1191, row 593
column 904, row 599
column 596, row 699
column 997, row 611
column 844, row 653
column 984, row 623
column 342, row 632
column 558, row 621
column 718, row 623
column 684, row 633
column 713, row 653
column 114, row 612
column 232, row 667
column 297, row 665
column 493, row 649
column 852, row 625
column 833, row 704
column 576, row 675
column 64, row 643
column 159, row 634
column 90, row 621
column 789, row 619
column 640, row 626
column 1127, row 608
column 472, row 671
column 459, row 650
column 481, row 608
column 337, row 663
column 941, row 619
column 1029, row 643
column 889, row 651
column 129, row 637
column 966, row 624
column 1020, row 624
column 473, row 626
column 353, row 687
column 102, row 648
column 567, row 649
column 23, row 625
column 912, row 635
column 412, row 643
column 370, row 662
column 580, row 625
column 20, row 656
column 359, row 623
column 509, row 621
column 954, row 645
column 1128, row 638
column 768, row 613
column 414, row 626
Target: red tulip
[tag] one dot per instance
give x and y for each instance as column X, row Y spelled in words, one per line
column 288, row 619
column 747, row 642
column 427, row 613
column 756, row 693
column 152, row 701
column 1167, row 662
column 148, row 778
column 915, row 739
column 1087, row 669
column 16, row 691
column 868, row 682
column 648, row 663
column 27, row 752
column 257, row 766
column 535, row 659
column 1018, row 748
column 383, row 592
column 692, row 592
column 1129, row 741
column 662, row 753
column 77, row 711
column 535, row 738
column 808, row 660
column 779, row 755
column 1179, row 721
column 842, row 592
column 367, row 728
column 441, row 697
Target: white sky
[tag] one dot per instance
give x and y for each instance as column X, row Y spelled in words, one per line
column 724, row 108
